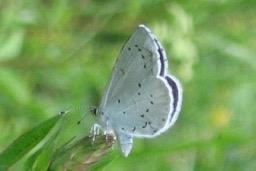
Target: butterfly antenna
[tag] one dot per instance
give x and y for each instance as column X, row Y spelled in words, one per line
column 78, row 122
column 74, row 109
column 92, row 109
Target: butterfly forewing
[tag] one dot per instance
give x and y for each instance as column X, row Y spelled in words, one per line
column 138, row 50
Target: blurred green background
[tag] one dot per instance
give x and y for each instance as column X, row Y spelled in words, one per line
column 58, row 55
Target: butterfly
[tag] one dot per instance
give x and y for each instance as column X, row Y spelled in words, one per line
column 142, row 99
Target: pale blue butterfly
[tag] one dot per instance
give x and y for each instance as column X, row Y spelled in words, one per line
column 142, row 99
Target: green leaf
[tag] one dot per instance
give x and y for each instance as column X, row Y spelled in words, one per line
column 31, row 160
column 26, row 142
column 44, row 159
column 41, row 159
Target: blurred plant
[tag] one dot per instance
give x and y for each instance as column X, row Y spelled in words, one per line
column 39, row 147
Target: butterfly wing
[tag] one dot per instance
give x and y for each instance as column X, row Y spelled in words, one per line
column 138, row 50
column 142, row 99
column 139, row 99
column 175, row 86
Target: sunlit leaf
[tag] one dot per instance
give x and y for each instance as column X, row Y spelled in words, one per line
column 26, row 142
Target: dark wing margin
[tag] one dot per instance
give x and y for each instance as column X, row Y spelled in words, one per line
column 172, row 82
column 175, row 93
column 160, row 51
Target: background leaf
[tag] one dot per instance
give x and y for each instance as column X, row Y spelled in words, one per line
column 26, row 142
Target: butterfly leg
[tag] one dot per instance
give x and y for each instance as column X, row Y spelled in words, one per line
column 109, row 133
column 95, row 130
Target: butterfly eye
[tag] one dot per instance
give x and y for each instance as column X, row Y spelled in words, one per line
column 93, row 110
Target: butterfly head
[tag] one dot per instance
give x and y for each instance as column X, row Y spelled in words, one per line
column 94, row 110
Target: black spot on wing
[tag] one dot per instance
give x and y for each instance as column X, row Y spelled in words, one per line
column 139, row 49
column 159, row 50
column 175, row 92
column 134, row 128
column 122, row 71
column 144, row 126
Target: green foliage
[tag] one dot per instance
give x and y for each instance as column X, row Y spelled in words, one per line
column 23, row 144
column 58, row 55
